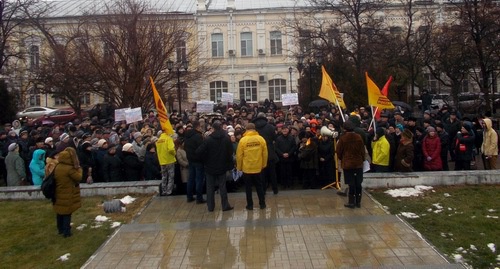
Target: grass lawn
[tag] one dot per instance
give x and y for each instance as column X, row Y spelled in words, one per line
column 459, row 220
column 29, row 234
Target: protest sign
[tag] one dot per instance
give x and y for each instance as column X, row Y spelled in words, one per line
column 133, row 115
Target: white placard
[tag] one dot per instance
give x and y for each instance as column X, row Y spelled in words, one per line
column 227, row 97
column 120, row 113
column 289, row 99
column 204, row 106
column 133, row 115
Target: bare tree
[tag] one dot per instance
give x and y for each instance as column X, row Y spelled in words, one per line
column 482, row 22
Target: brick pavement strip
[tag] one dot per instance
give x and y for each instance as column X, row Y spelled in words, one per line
column 292, row 232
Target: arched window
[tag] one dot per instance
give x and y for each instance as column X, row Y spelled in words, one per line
column 248, row 90
column 277, row 87
column 216, row 90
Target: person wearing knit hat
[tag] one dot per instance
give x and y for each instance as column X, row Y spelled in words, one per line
column 48, row 140
column 128, row 147
column 431, row 149
column 445, row 142
column 251, row 159
column 351, row 154
column 403, row 160
column 63, row 137
column 463, row 147
column 16, row 173
column 102, row 143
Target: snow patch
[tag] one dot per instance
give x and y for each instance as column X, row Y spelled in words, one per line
column 64, row 257
column 115, row 224
column 410, row 215
column 101, row 218
column 128, row 199
column 492, row 247
column 472, row 247
column 408, row 192
column 491, row 217
column 81, row 227
column 491, row 210
column 447, row 194
column 458, row 258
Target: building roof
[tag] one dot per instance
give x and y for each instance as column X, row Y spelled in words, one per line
column 72, row 8
column 256, row 4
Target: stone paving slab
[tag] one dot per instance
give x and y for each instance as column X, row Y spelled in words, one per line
column 298, row 229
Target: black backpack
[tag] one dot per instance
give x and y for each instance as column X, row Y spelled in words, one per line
column 49, row 186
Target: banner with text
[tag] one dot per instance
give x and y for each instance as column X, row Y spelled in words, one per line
column 289, row 99
column 204, row 106
column 133, row 115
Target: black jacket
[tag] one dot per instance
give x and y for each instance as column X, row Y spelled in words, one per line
column 285, row 144
column 218, row 150
column 112, row 168
column 192, row 140
column 131, row 166
column 268, row 132
column 151, row 166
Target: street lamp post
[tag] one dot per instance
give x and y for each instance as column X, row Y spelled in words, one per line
column 180, row 65
column 312, row 64
column 290, row 70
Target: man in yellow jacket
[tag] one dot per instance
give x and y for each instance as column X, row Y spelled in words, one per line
column 165, row 150
column 251, row 159
column 381, row 151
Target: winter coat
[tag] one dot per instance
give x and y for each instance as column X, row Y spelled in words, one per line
column 431, row 147
column 251, row 154
column 351, row 150
column 381, row 151
column 489, row 147
column 219, row 151
column 112, row 168
column 268, row 132
column 131, row 166
column 403, row 161
column 151, row 166
column 444, row 138
column 98, row 158
column 67, row 185
column 308, row 155
column 193, row 140
column 183, row 164
column 464, row 144
column 37, row 167
column 285, row 144
column 16, row 171
column 165, row 149
column 86, row 161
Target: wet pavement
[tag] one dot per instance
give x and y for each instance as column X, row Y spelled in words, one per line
column 298, row 229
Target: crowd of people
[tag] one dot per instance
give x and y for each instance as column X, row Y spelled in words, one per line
column 204, row 149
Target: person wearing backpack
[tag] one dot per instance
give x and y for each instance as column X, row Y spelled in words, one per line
column 68, row 174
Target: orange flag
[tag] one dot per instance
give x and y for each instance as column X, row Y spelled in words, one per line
column 385, row 92
column 162, row 111
column 375, row 97
column 329, row 91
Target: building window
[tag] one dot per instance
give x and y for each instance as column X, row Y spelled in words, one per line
column 217, row 45
column 276, row 45
column 432, row 83
column 58, row 101
column 85, row 99
column 34, row 57
column 34, row 100
column 246, row 44
column 305, row 41
column 107, row 52
column 277, row 87
column 181, row 50
column 216, row 90
column 465, row 86
column 248, row 90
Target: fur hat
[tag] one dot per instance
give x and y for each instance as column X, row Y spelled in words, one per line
column 48, row 140
column 407, row 134
column 13, row 146
column 430, row 129
column 63, row 136
column 127, row 147
column 137, row 135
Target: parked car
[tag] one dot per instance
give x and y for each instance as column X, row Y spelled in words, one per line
column 58, row 116
column 34, row 112
column 101, row 111
column 438, row 100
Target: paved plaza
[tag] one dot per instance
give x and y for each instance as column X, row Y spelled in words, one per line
column 298, row 229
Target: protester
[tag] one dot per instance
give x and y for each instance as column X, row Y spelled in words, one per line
column 193, row 139
column 403, row 161
column 381, row 152
column 351, row 153
column 463, row 146
column 165, row 149
column 131, row 165
column 489, row 147
column 251, row 159
column 220, row 149
column 431, row 149
column 16, row 172
column 268, row 132
column 112, row 165
column 37, row 167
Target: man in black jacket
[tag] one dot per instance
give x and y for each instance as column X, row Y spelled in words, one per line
column 285, row 149
column 268, row 132
column 193, row 140
column 219, row 148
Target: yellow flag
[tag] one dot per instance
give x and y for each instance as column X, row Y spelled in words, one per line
column 329, row 91
column 375, row 97
column 162, row 111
